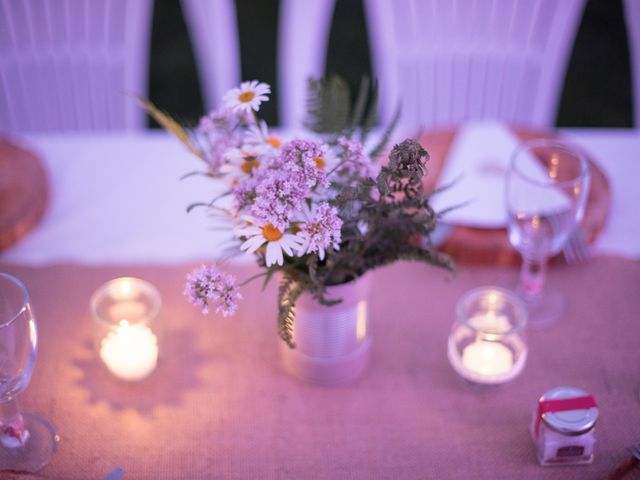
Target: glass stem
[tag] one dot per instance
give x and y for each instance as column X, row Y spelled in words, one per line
column 532, row 276
column 12, row 431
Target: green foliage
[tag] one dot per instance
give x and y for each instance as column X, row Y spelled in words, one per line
column 328, row 105
column 288, row 293
column 388, row 219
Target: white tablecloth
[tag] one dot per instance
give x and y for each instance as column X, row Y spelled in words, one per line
column 118, row 198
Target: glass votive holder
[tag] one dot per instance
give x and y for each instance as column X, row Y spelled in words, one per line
column 124, row 308
column 487, row 345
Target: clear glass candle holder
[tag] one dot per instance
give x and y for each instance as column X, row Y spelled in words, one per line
column 124, row 309
column 487, row 345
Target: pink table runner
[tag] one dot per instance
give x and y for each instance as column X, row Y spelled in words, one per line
column 219, row 405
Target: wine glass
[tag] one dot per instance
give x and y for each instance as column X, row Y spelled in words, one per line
column 27, row 441
column 546, row 191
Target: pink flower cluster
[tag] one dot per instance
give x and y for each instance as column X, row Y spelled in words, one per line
column 304, row 157
column 322, row 230
column 207, row 286
column 278, row 195
column 278, row 188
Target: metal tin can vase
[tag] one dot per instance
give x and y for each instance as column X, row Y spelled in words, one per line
column 332, row 342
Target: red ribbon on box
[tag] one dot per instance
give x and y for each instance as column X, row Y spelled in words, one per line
column 563, row 405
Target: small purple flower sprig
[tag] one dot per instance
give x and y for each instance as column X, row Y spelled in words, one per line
column 208, row 287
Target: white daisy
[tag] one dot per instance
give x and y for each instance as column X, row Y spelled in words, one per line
column 248, row 96
column 259, row 135
column 277, row 242
column 326, row 164
column 327, row 161
column 241, row 162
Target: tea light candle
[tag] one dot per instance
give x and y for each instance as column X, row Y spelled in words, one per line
column 487, row 358
column 126, row 306
column 130, row 352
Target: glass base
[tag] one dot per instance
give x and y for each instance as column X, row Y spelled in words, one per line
column 36, row 452
column 544, row 309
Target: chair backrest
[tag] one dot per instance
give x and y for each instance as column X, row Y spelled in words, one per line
column 73, row 65
column 632, row 18
column 213, row 30
column 303, row 37
column 447, row 61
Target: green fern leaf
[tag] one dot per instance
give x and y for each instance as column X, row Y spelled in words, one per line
column 328, row 105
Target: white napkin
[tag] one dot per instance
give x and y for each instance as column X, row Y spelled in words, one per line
column 476, row 164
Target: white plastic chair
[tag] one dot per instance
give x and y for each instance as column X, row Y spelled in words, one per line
column 73, row 65
column 303, row 37
column 213, row 30
column 632, row 18
column 447, row 61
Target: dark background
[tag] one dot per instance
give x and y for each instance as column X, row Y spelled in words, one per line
column 597, row 88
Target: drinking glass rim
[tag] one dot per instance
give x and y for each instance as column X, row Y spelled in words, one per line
column 475, row 292
column 570, row 148
column 108, row 287
column 25, row 297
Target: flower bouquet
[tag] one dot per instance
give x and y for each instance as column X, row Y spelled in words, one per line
column 321, row 210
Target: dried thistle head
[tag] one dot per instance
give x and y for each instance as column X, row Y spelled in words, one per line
column 408, row 156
